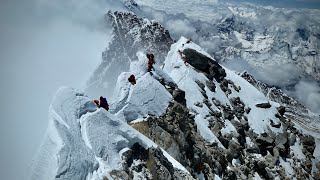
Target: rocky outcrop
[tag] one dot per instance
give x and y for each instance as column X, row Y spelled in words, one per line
column 204, row 64
column 141, row 163
column 176, row 132
column 264, row 105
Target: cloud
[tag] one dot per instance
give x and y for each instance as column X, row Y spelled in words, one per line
column 287, row 77
column 44, row 45
column 307, row 92
column 180, row 26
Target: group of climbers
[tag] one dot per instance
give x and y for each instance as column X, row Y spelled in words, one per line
column 183, row 56
column 132, row 79
column 103, row 103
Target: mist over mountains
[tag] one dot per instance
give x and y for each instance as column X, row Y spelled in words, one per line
column 42, row 42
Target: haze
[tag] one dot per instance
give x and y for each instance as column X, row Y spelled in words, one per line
column 45, row 45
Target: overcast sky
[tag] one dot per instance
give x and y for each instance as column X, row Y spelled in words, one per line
column 44, row 45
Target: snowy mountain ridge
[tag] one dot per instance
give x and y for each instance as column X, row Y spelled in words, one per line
column 193, row 120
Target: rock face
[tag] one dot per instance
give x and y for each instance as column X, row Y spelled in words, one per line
column 204, row 64
column 130, row 35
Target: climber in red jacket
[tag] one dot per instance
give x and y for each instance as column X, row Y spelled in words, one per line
column 132, row 79
column 103, row 103
column 151, row 62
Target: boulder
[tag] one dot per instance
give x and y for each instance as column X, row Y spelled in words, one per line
column 281, row 110
column 179, row 96
column 308, row 143
column 211, row 86
column 264, row 105
column 205, row 64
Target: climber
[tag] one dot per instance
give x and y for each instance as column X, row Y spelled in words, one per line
column 151, row 62
column 96, row 102
column 188, row 41
column 132, row 79
column 102, row 104
column 183, row 56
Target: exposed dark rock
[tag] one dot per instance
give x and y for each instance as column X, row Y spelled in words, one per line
column 199, row 104
column 190, row 151
column 216, row 102
column 204, row 94
column 230, row 175
column 207, row 103
column 205, row 64
column 260, row 168
column 275, row 125
column 265, row 144
column 201, row 85
column 224, row 85
column 238, row 107
column 247, row 110
column 137, row 152
column 282, row 144
column 281, row 110
column 211, row 86
column 227, row 112
column 179, row 96
column 264, row 105
column 234, row 150
column 308, row 143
